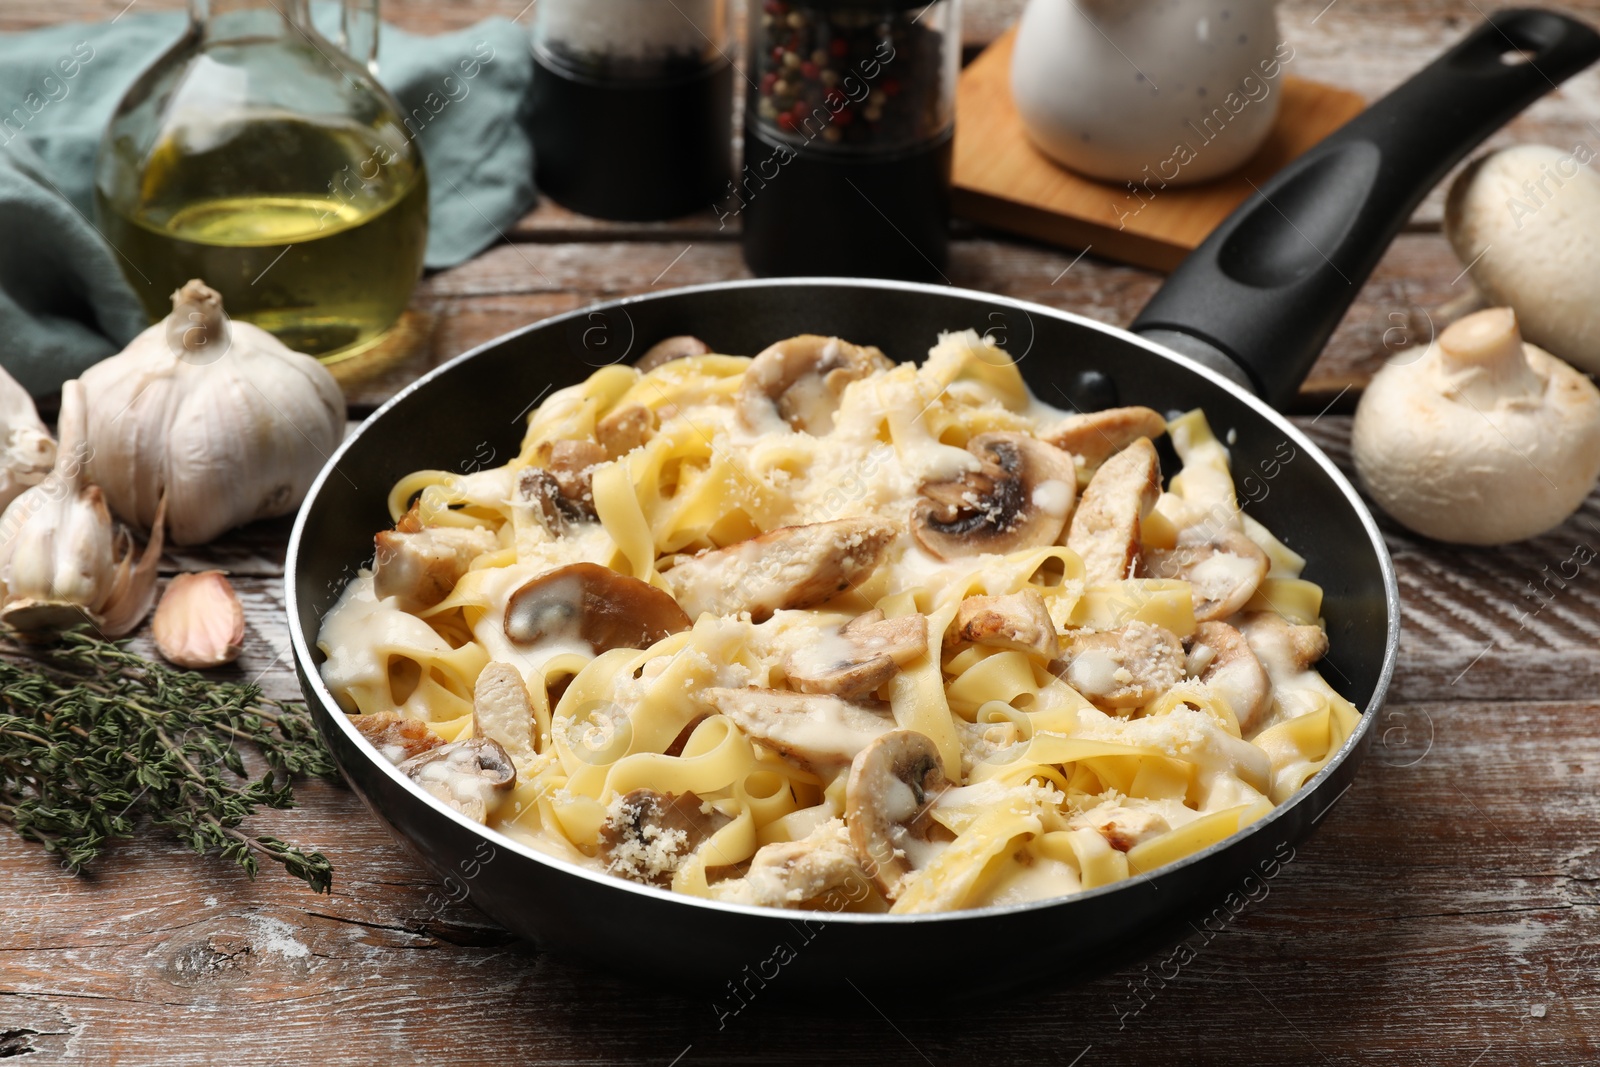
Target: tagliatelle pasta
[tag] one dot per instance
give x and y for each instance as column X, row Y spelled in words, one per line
column 816, row 630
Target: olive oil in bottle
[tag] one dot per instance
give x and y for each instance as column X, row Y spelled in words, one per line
column 265, row 160
column 322, row 258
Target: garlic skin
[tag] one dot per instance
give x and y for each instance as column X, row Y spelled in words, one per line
column 220, row 416
column 27, row 451
column 199, row 622
column 62, row 559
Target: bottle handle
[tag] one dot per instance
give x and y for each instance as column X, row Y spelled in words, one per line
column 358, row 32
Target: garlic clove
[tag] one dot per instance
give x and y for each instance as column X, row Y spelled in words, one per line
column 63, row 561
column 133, row 589
column 27, row 451
column 199, row 622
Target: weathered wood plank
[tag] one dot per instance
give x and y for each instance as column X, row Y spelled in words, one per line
column 1443, row 909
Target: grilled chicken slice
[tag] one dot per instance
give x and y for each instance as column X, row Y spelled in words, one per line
column 790, row 567
column 787, row 874
column 1096, row 437
column 1105, row 528
column 422, row 566
column 818, row 732
column 1018, row 620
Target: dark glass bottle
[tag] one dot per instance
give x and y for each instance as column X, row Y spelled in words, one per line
column 847, row 138
column 632, row 109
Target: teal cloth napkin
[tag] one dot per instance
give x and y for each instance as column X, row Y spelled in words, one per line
column 64, row 304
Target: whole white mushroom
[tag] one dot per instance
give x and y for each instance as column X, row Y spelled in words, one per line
column 1527, row 222
column 1483, row 439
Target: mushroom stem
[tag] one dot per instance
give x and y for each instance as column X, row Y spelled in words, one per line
column 1483, row 353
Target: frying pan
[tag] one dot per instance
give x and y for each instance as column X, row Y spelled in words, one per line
column 1233, row 331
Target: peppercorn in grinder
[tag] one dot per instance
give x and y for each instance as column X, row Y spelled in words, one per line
column 847, row 138
column 632, row 105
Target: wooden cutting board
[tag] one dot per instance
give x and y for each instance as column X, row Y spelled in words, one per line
column 1002, row 180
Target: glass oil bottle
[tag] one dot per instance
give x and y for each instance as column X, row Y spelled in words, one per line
column 265, row 160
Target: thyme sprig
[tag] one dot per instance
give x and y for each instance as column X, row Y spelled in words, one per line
column 94, row 738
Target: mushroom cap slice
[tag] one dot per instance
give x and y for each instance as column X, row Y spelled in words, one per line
column 469, row 775
column 1018, row 621
column 1232, row 671
column 1019, row 497
column 1123, row 668
column 625, row 429
column 820, row 733
column 1097, row 436
column 789, row 567
column 1105, row 529
column 867, row 652
column 1222, row 566
column 670, row 348
column 648, row 834
column 1284, row 648
column 588, row 602
column 541, row 489
column 893, row 782
column 802, row 379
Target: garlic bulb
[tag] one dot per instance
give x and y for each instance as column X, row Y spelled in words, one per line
column 62, row 559
column 220, row 417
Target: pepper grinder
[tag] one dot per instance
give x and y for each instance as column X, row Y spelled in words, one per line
column 632, row 106
column 847, row 137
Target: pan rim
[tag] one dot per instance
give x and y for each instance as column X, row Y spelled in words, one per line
column 306, row 664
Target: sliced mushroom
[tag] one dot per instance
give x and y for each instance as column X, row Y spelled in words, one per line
column 867, row 652
column 1124, row 827
column 471, row 776
column 1017, row 620
column 421, row 567
column 790, row 567
column 395, row 736
column 820, row 733
column 647, row 835
column 1283, row 647
column 893, row 782
column 789, row 874
column 590, row 603
column 1123, row 668
column 1018, row 498
column 1096, row 437
column 572, row 463
column 668, row 349
column 1222, row 566
column 502, row 711
column 557, row 511
column 1221, row 658
column 802, row 379
column 625, row 429
column 1105, row 528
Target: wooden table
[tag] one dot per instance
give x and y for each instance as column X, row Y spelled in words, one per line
column 1445, row 914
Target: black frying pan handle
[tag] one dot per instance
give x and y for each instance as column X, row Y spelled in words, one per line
column 1267, row 288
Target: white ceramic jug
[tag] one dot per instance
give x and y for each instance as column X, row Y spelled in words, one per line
column 1168, row 91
